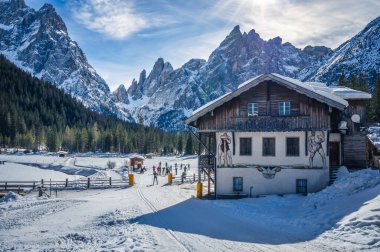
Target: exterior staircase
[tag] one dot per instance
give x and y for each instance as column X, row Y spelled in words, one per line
column 355, row 151
column 333, row 173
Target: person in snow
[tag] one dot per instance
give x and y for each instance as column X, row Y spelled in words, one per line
column 155, row 177
column 183, row 176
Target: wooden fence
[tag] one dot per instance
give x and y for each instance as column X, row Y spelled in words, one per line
column 26, row 186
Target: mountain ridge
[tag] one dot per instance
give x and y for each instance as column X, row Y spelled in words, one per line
column 38, row 42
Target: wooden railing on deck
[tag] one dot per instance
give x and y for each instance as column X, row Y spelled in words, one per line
column 269, row 123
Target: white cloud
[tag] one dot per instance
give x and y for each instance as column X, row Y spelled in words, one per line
column 114, row 18
column 300, row 22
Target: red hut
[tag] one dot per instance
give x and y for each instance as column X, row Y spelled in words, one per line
column 136, row 161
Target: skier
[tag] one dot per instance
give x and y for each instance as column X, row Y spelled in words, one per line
column 183, row 176
column 175, row 168
column 155, row 177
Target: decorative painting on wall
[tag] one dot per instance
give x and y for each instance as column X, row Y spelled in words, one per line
column 316, row 140
column 224, row 154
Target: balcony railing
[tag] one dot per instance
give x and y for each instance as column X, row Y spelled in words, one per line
column 270, row 123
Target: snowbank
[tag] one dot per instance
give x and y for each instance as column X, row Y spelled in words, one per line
column 346, row 184
column 374, row 136
column 11, row 196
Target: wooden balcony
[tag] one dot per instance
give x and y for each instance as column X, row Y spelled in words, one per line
column 270, row 123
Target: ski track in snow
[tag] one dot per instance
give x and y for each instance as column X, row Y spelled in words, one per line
column 343, row 217
column 154, row 210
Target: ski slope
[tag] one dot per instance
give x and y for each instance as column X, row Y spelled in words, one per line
column 146, row 217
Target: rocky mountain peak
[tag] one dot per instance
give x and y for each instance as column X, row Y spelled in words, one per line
column 16, row 4
column 276, row 41
column 38, row 41
column 359, row 55
column 47, row 8
column 253, row 36
column 121, row 95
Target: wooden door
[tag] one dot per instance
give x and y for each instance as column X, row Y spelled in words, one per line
column 334, row 153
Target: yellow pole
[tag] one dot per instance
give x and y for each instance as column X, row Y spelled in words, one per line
column 131, row 179
column 199, row 190
column 170, row 178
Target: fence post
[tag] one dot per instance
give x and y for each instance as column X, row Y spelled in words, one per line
column 18, row 191
column 34, row 185
column 67, row 183
column 42, row 183
column 193, row 177
column 6, row 185
column 88, row 182
column 110, row 181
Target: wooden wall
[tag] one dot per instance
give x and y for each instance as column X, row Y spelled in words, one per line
column 306, row 113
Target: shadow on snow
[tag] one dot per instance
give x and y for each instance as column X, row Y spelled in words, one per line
column 290, row 222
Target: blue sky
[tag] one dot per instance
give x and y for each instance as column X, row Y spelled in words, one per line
column 121, row 37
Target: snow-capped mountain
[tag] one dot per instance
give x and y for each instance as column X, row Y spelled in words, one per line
column 38, row 42
column 360, row 54
column 168, row 95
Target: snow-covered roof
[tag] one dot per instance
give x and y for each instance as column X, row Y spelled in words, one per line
column 374, row 136
column 137, row 156
column 349, row 94
column 316, row 90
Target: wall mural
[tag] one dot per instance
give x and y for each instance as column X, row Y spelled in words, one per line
column 269, row 172
column 316, row 140
column 224, row 150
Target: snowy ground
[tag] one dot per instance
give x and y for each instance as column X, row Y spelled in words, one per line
column 343, row 217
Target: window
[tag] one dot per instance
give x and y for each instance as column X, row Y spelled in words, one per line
column 237, row 184
column 292, row 146
column 245, row 146
column 253, row 109
column 284, row 108
column 301, row 186
column 269, row 146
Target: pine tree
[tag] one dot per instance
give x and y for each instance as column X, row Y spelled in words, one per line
column 180, row 144
column 52, row 140
column 362, row 83
column 342, row 80
column 374, row 107
column 189, row 150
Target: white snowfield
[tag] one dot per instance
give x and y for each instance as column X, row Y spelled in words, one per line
column 146, row 217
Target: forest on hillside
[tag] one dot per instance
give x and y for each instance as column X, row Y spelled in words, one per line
column 36, row 114
column 359, row 82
